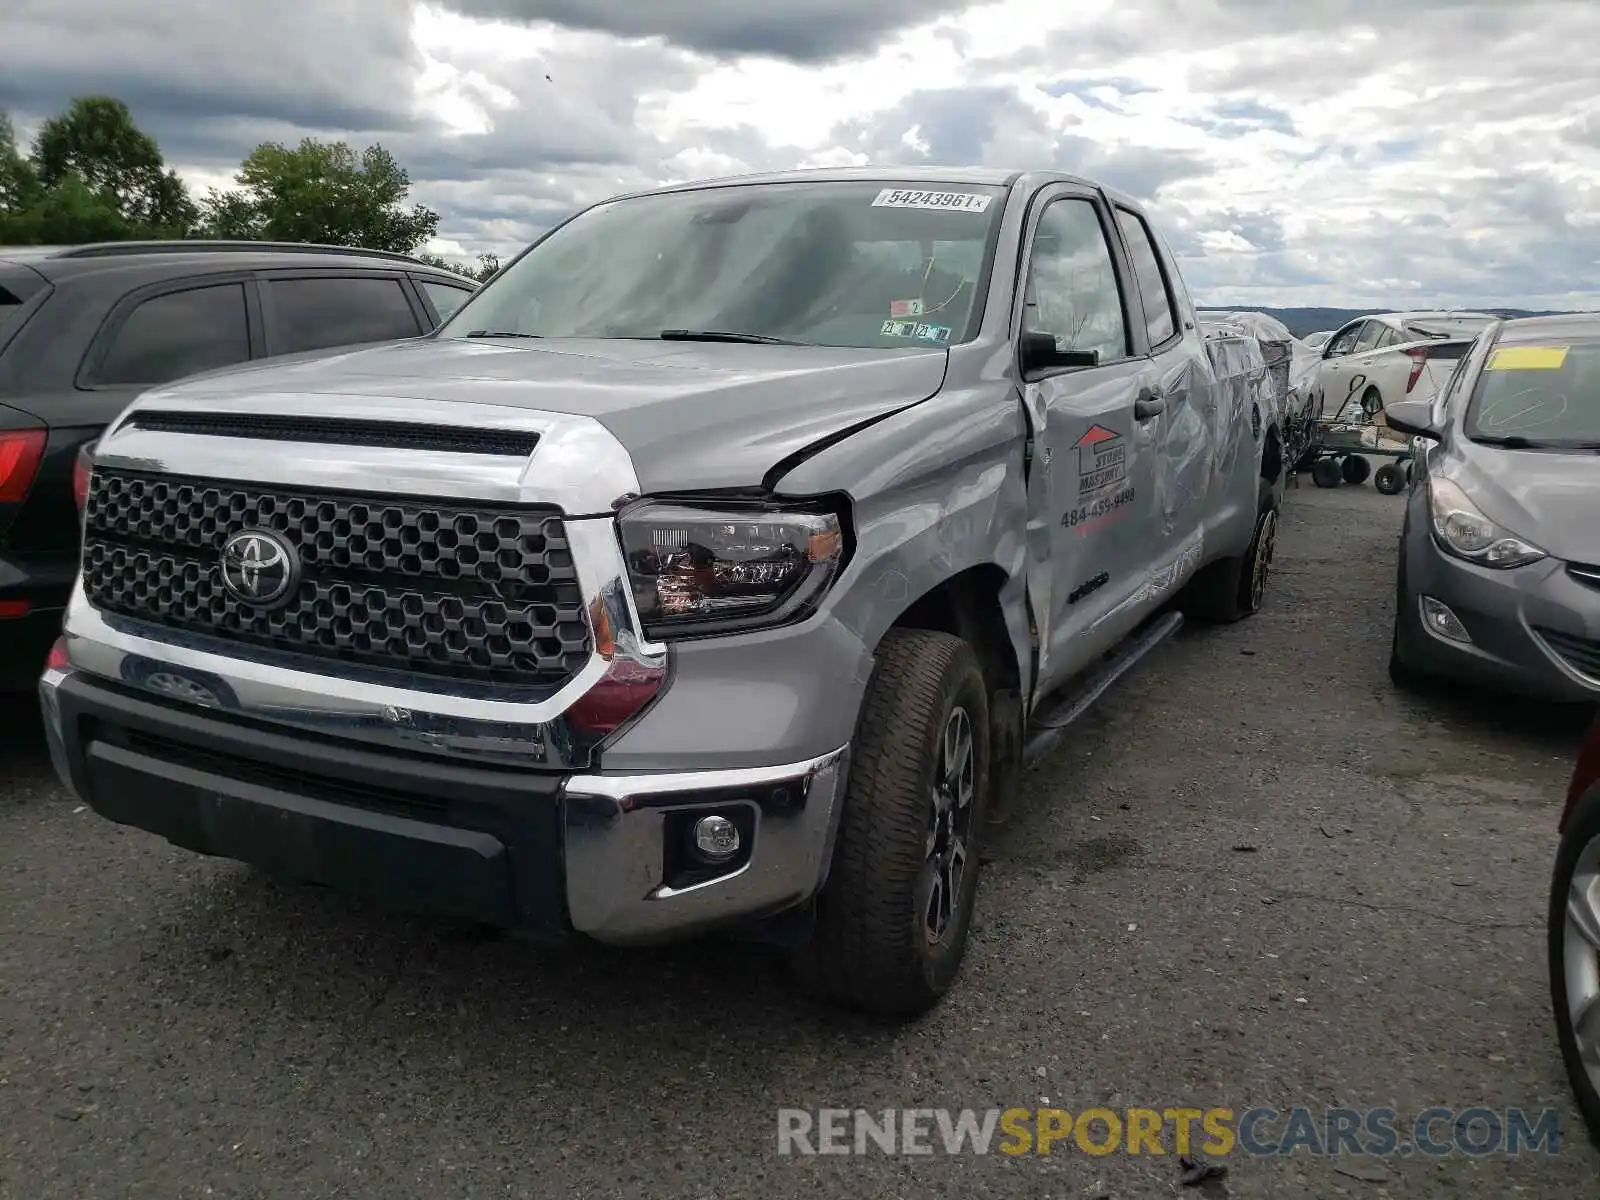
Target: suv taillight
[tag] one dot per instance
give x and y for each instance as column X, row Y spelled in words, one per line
column 82, row 468
column 1419, row 359
column 20, row 452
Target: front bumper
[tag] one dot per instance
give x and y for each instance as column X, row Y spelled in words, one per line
column 511, row 806
column 542, row 853
column 1535, row 630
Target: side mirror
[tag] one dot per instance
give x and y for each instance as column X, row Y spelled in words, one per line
column 1412, row 417
column 1039, row 352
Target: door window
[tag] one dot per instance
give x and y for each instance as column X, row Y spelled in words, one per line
column 1072, row 290
column 315, row 314
column 446, row 298
column 1344, row 341
column 177, row 334
column 1371, row 336
column 1160, row 313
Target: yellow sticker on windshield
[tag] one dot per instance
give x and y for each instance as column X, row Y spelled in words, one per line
column 1527, row 358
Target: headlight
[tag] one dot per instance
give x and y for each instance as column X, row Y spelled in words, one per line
column 1466, row 532
column 709, row 570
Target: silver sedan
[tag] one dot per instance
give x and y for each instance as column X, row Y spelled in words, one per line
column 1499, row 571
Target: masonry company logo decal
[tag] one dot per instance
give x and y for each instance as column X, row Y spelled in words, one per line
column 1102, row 460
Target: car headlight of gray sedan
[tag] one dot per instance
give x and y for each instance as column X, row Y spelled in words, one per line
column 1465, row 532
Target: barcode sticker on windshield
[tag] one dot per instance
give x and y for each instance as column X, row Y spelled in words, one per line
column 1527, row 358
column 943, row 201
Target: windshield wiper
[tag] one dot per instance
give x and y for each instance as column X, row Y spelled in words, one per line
column 718, row 335
column 500, row 333
column 1516, row 441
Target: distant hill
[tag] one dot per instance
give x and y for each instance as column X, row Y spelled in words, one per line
column 1302, row 321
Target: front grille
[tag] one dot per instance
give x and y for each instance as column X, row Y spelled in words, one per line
column 1582, row 654
column 489, row 595
column 1585, row 574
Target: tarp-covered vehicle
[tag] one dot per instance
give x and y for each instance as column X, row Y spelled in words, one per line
column 1291, row 367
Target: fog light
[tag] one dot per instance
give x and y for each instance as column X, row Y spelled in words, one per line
column 716, row 838
column 1437, row 616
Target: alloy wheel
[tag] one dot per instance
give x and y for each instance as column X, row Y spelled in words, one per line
column 1261, row 565
column 1581, row 957
column 950, row 825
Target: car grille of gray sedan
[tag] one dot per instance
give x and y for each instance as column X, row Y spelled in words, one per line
column 1582, row 654
column 467, row 592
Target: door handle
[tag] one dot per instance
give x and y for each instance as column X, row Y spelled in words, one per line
column 1150, row 404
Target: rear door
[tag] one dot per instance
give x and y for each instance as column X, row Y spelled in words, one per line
column 327, row 309
column 86, row 369
column 1181, row 433
column 1090, row 536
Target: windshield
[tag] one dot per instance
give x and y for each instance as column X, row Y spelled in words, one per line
column 1544, row 394
column 830, row 264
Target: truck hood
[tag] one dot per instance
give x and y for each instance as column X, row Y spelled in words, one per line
column 693, row 415
column 1545, row 496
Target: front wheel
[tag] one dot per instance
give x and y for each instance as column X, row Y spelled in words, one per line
column 1572, row 930
column 893, row 917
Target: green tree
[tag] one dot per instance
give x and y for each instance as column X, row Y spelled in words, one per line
column 19, row 186
column 96, row 142
column 488, row 266
column 321, row 192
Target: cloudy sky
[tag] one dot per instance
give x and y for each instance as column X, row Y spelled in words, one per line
column 1342, row 152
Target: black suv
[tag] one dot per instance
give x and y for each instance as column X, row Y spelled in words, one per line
column 85, row 329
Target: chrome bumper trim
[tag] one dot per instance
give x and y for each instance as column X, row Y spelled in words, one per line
column 54, row 734
column 614, row 846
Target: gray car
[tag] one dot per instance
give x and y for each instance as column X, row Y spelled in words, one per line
column 1499, row 573
column 716, row 566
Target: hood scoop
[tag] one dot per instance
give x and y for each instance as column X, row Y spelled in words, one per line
column 399, row 435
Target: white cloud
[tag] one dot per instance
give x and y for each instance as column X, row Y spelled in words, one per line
column 1332, row 152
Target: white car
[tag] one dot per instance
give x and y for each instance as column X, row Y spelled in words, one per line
column 1375, row 360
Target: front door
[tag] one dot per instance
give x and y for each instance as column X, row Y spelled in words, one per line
column 1335, row 374
column 1092, row 520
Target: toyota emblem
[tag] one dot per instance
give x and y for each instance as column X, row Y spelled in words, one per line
column 259, row 568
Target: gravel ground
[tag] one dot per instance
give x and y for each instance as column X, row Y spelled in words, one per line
column 176, row 1027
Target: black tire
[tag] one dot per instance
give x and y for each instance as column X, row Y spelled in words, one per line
column 1583, row 828
column 1325, row 473
column 1354, row 469
column 1390, row 479
column 1232, row 589
column 874, row 948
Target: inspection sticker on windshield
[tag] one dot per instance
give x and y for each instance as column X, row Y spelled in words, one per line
column 944, row 201
column 915, row 329
column 905, row 308
column 1527, row 358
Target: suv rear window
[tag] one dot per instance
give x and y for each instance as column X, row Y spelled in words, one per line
column 317, row 314
column 178, row 333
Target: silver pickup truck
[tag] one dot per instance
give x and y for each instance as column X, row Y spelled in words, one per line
column 717, row 566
